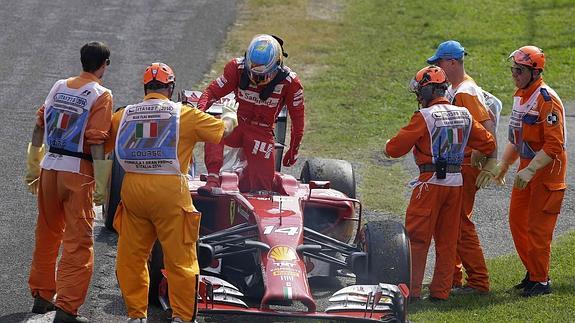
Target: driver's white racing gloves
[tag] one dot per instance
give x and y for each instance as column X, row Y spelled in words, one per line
column 230, row 113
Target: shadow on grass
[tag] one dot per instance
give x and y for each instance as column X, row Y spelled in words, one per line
column 499, row 297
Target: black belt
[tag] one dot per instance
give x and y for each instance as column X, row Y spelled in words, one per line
column 76, row 154
column 426, row 168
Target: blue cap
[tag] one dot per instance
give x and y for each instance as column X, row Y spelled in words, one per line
column 450, row 49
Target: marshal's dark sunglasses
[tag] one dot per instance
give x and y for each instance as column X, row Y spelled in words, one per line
column 518, row 70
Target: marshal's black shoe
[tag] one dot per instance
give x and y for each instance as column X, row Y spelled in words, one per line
column 42, row 306
column 65, row 317
column 537, row 289
column 523, row 283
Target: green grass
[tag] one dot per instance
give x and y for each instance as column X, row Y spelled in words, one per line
column 504, row 305
column 355, row 59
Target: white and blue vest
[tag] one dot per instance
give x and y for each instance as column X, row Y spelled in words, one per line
column 449, row 129
column 148, row 135
column 66, row 112
column 527, row 112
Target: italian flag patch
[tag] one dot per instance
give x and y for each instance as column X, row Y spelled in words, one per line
column 455, row 136
column 288, row 293
column 63, row 120
column 147, row 130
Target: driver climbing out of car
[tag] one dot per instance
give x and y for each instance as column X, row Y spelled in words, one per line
column 439, row 132
column 153, row 143
column 262, row 85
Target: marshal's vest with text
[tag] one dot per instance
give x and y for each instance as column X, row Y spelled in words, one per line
column 449, row 128
column 66, row 112
column 527, row 113
column 147, row 139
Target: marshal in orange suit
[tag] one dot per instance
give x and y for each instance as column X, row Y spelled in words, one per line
column 438, row 133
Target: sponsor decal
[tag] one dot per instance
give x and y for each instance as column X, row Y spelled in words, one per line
column 254, row 97
column 552, row 118
column 284, row 272
column 147, row 130
column 243, row 213
column 221, row 81
column 282, row 253
column 278, row 88
column 232, row 211
column 298, row 98
column 63, row 120
column 285, row 264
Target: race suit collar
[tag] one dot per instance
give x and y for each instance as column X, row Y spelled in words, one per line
column 91, row 77
column 526, row 93
column 150, row 96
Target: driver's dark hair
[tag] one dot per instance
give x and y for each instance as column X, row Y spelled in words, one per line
column 93, row 55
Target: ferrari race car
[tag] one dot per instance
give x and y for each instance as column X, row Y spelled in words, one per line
column 257, row 249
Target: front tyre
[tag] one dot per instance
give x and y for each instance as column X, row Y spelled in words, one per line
column 155, row 266
column 388, row 253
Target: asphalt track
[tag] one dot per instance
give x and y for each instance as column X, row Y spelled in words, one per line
column 39, row 43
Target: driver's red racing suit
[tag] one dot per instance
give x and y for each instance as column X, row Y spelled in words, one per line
column 256, row 120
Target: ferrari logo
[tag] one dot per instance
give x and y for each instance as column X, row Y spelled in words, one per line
column 282, row 253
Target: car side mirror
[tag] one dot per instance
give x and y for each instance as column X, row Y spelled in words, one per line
column 319, row 184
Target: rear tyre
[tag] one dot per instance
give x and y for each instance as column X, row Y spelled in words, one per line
column 388, row 253
column 155, row 266
column 339, row 172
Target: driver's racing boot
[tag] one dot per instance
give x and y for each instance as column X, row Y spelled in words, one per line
column 213, row 181
column 42, row 306
column 64, row 317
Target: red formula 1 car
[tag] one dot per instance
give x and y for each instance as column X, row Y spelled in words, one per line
column 258, row 249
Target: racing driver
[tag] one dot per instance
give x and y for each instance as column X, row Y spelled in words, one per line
column 262, row 85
